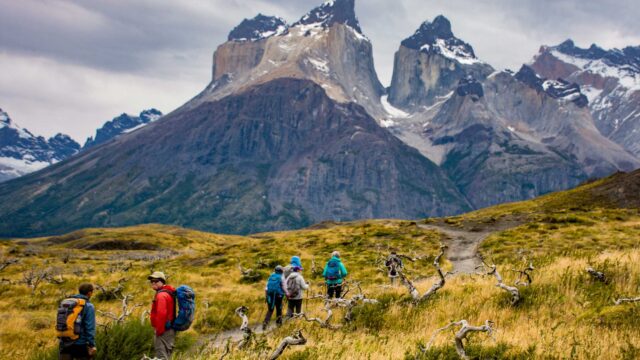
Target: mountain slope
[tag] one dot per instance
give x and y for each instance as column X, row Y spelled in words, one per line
column 122, row 124
column 281, row 155
column 611, row 80
column 21, row 152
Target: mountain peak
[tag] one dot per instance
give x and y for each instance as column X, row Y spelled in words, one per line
column 332, row 12
column 557, row 89
column 5, row 120
column 436, row 37
column 258, row 28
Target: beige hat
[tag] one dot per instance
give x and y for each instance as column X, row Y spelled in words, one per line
column 159, row 275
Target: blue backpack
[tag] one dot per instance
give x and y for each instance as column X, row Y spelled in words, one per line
column 185, row 300
column 274, row 284
column 333, row 270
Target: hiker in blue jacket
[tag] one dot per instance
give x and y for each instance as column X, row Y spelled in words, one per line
column 274, row 292
column 287, row 270
column 85, row 346
column 334, row 272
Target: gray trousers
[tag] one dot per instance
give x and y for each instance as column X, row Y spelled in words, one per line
column 163, row 344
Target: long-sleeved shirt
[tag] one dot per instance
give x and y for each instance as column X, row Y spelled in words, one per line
column 88, row 335
column 302, row 284
column 163, row 309
column 342, row 272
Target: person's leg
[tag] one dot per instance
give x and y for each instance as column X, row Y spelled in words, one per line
column 338, row 290
column 330, row 290
column 163, row 344
column 298, row 306
column 278, row 306
column 63, row 353
column 289, row 308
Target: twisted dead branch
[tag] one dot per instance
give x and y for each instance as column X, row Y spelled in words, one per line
column 126, row 310
column 461, row 335
column 413, row 291
column 110, row 292
column 34, row 277
column 626, row 300
column 524, row 273
column 515, row 293
column 295, row 339
column 4, row 263
column 326, row 323
column 247, row 333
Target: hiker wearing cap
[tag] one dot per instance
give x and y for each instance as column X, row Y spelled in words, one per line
column 334, row 272
column 274, row 292
column 162, row 315
column 394, row 266
column 294, row 288
column 295, row 261
column 82, row 345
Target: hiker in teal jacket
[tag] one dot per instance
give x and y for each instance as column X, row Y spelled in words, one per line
column 333, row 274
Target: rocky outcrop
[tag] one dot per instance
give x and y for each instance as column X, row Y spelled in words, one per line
column 280, row 155
column 609, row 78
column 21, row 152
column 430, row 63
column 558, row 89
column 121, row 125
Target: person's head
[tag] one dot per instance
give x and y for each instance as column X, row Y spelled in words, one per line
column 335, row 254
column 278, row 269
column 295, row 261
column 393, row 253
column 86, row 289
column 157, row 280
column 297, row 269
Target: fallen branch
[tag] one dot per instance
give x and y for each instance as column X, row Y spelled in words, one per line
column 515, row 293
column 524, row 273
column 295, row 339
column 326, row 323
column 627, row 300
column 462, row 334
column 598, row 275
column 4, row 263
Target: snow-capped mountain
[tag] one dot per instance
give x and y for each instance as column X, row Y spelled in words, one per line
column 430, row 63
column 326, row 46
column 609, row 78
column 557, row 89
column 21, row 152
column 121, row 125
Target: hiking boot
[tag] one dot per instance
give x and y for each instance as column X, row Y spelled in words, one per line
column 265, row 326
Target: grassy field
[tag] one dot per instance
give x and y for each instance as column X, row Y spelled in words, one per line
column 563, row 314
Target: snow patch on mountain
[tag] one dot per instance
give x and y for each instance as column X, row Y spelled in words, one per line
column 391, row 110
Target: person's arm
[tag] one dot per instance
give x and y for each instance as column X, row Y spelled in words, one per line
column 303, row 283
column 324, row 272
column 90, row 324
column 163, row 309
column 343, row 270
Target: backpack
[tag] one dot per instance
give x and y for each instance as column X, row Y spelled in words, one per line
column 333, row 270
column 293, row 288
column 69, row 318
column 274, row 284
column 184, row 300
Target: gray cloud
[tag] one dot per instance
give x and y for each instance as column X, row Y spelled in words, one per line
column 87, row 55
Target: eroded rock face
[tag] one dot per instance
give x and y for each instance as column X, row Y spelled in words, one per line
column 609, row 78
column 280, row 155
column 430, row 63
column 121, row 125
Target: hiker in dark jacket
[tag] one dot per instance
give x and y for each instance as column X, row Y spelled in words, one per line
column 394, row 266
column 274, row 291
column 85, row 346
column 295, row 285
column 162, row 315
column 334, row 272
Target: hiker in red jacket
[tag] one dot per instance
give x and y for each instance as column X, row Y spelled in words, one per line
column 162, row 315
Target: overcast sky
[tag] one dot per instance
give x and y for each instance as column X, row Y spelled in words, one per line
column 70, row 65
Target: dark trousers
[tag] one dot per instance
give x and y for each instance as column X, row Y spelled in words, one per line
column 294, row 307
column 334, row 289
column 74, row 352
column 274, row 302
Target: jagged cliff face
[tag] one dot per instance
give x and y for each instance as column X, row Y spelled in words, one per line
column 121, row 125
column 611, row 81
column 430, row 64
column 325, row 46
column 278, row 156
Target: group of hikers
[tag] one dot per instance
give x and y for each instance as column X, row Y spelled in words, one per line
column 173, row 309
column 288, row 282
column 76, row 319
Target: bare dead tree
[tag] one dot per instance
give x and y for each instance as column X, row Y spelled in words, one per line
column 34, row 277
column 144, row 315
column 126, row 310
column 461, row 335
column 524, row 274
column 515, row 293
column 247, row 333
column 626, row 300
column 119, row 266
column 5, row 262
column 413, row 291
column 110, row 292
column 295, row 339
column 326, row 323
column 598, row 275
